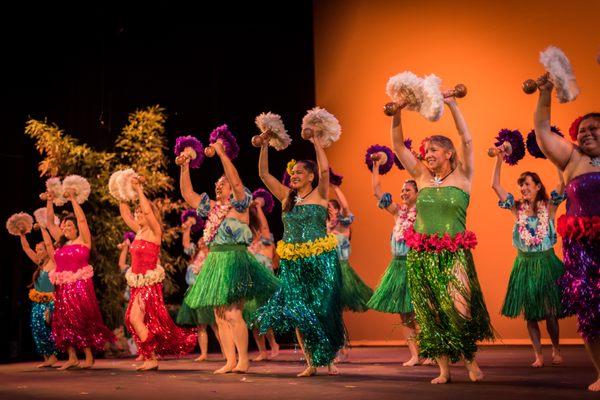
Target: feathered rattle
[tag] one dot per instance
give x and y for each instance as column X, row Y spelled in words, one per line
column 321, row 123
column 266, row 198
column 383, row 155
column 272, row 131
column 511, row 142
column 224, row 135
column 120, row 185
column 188, row 148
column 19, row 224
column 559, row 70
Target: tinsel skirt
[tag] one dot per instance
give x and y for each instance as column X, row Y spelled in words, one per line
column 392, row 295
column 355, row 293
column 533, row 289
column 230, row 274
column 436, row 279
column 309, row 299
column 41, row 330
column 77, row 321
column 164, row 337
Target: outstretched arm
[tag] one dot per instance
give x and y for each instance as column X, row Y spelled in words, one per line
column 27, row 249
column 48, row 243
column 323, row 165
column 82, row 224
column 557, row 149
column 147, row 209
column 406, row 157
column 466, row 141
column 54, row 230
column 186, row 237
column 496, row 185
column 123, row 255
column 185, row 186
column 278, row 189
column 125, row 212
column 557, row 195
column 392, row 208
column 262, row 219
column 231, row 172
column 345, row 208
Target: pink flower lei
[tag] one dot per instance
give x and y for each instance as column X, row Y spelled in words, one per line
column 541, row 231
column 215, row 217
column 405, row 219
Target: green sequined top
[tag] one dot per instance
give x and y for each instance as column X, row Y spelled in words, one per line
column 304, row 223
column 441, row 210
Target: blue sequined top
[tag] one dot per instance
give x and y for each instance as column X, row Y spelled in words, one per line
column 43, row 284
column 304, row 223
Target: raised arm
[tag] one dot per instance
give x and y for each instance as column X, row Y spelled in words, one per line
column 557, row 195
column 186, row 237
column 123, row 255
column 262, row 219
column 466, row 141
column 185, row 186
column 54, row 230
column 153, row 223
column 125, row 212
column 392, row 208
column 414, row 167
column 82, row 224
column 48, row 243
column 278, row 189
column 231, row 172
column 27, row 249
column 496, row 185
column 323, row 166
column 345, row 208
column 557, row 149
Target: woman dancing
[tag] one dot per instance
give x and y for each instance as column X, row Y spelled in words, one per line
column 201, row 317
column 230, row 275
column 308, row 298
column 580, row 165
column 147, row 318
column 533, row 289
column 76, row 322
column 392, row 295
column 445, row 291
column 41, row 295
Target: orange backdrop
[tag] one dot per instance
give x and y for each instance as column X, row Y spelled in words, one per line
column 491, row 48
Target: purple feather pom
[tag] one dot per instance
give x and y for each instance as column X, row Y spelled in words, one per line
column 267, row 198
column 408, row 144
column 384, row 168
column 129, row 235
column 532, row 146
column 189, row 141
column 515, row 138
column 285, row 179
column 335, row 179
column 191, row 213
column 229, row 142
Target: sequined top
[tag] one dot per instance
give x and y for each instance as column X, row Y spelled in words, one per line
column 43, row 284
column 71, row 257
column 144, row 256
column 343, row 248
column 304, row 223
column 441, row 210
column 232, row 231
column 583, row 195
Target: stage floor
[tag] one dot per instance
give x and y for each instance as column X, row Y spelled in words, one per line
column 371, row 373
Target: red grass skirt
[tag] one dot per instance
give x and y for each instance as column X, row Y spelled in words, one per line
column 77, row 321
column 164, row 337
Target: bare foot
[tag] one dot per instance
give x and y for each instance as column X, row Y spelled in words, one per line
column 556, row 357
column 68, row 364
column 202, row 357
column 149, row 365
column 87, row 364
column 224, row 369
column 48, row 362
column 595, row 387
column 332, row 370
column 538, row 363
column 241, row 367
column 428, row 361
column 309, row 371
column 412, row 362
column 476, row 375
column 441, row 379
column 260, row 357
column 140, row 358
column 274, row 350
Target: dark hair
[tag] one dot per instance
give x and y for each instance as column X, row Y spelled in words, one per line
column 412, row 182
column 541, row 194
column 66, row 216
column 588, row 116
column 311, row 167
column 447, row 144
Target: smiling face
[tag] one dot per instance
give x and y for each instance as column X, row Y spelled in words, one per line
column 301, row 177
column 222, row 189
column 437, row 157
column 588, row 136
column 69, row 229
column 529, row 189
column 409, row 193
column 40, row 251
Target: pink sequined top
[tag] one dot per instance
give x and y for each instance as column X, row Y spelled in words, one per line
column 71, row 257
column 144, row 256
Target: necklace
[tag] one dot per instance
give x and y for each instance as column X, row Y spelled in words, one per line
column 299, row 199
column 437, row 181
column 595, row 161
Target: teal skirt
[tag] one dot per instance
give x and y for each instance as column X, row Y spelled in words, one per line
column 533, row 289
column 392, row 295
column 355, row 293
column 251, row 307
column 199, row 316
column 230, row 274
column 308, row 299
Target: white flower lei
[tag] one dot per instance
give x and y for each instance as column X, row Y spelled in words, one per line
column 405, row 219
column 541, row 231
column 215, row 217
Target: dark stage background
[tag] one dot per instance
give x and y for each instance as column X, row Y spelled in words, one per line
column 86, row 69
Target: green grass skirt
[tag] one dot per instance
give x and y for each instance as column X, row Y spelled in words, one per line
column 251, row 307
column 355, row 293
column 308, row 298
column 199, row 316
column 392, row 295
column 230, row 274
column 435, row 280
column 533, row 289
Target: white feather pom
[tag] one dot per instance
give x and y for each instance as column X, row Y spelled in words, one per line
column 557, row 64
column 432, row 106
column 54, row 187
column 19, row 223
column 113, row 188
column 408, row 87
column 324, row 124
column 41, row 217
column 272, row 122
column 79, row 185
column 123, row 183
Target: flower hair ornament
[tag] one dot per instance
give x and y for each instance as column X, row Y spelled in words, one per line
column 574, row 128
column 290, row 166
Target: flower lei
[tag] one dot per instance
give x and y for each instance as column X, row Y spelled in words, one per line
column 293, row 251
column 215, row 218
column 435, row 243
column 40, row 297
column 60, row 278
column 152, row 277
column 405, row 219
column 541, row 231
